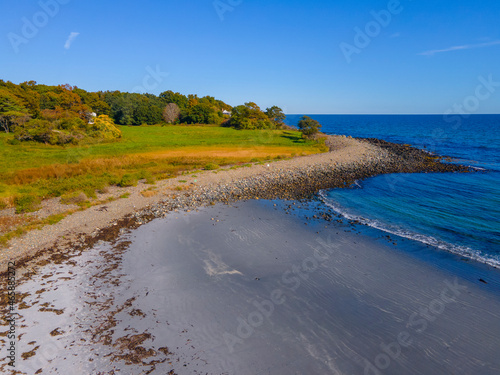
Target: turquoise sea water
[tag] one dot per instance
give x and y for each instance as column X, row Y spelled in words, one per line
column 456, row 212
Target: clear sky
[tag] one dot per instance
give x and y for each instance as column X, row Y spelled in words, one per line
column 420, row 56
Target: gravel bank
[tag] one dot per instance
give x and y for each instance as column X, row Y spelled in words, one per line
column 348, row 160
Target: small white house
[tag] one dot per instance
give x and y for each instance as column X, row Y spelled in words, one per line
column 224, row 112
column 92, row 116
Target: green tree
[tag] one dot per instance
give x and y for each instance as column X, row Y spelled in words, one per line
column 174, row 97
column 12, row 111
column 276, row 115
column 36, row 130
column 11, row 119
column 308, row 126
column 249, row 116
column 94, row 101
column 134, row 109
column 121, row 106
column 30, row 97
column 201, row 113
column 146, row 111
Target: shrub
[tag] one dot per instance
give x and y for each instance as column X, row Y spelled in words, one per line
column 276, row 115
column 26, row 203
column 103, row 190
column 308, row 126
column 148, row 176
column 74, row 198
column 72, row 123
column 54, row 219
column 211, row 166
column 250, row 116
column 67, row 130
column 104, row 128
column 3, row 204
column 47, row 132
column 13, row 142
column 128, row 180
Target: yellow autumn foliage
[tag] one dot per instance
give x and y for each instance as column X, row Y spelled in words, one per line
column 104, row 128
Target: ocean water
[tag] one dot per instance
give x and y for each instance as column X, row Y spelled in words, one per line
column 456, row 212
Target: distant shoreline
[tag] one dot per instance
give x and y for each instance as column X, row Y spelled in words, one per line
column 348, row 160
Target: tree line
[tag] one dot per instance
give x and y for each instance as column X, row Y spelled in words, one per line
column 68, row 114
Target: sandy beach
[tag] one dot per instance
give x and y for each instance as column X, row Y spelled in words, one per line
column 257, row 288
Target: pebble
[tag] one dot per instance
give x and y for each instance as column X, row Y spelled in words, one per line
column 296, row 182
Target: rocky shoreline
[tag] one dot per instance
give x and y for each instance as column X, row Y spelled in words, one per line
column 302, row 183
column 299, row 178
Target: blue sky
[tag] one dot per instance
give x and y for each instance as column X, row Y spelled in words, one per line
column 420, row 57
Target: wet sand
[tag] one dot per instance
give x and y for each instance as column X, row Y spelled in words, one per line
column 256, row 289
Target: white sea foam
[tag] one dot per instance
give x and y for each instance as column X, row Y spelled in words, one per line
column 477, row 168
column 428, row 240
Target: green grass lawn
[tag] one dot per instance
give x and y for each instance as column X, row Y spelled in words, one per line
column 143, row 139
column 32, row 171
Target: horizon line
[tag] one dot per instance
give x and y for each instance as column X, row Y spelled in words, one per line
column 391, row 114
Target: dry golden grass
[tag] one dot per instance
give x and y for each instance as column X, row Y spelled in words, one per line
column 148, row 193
column 168, row 162
column 92, row 166
column 230, row 152
column 6, row 202
column 7, row 223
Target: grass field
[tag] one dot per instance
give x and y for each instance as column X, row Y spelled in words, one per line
column 30, row 172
